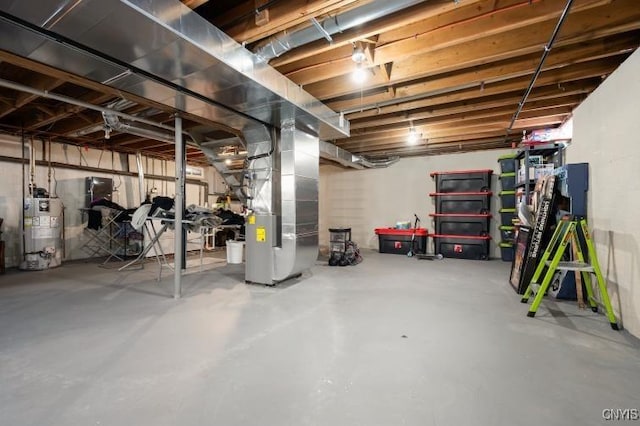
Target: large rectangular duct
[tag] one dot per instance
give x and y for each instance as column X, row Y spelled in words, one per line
column 282, row 234
column 165, row 52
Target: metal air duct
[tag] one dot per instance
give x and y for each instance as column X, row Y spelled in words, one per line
column 162, row 51
column 284, row 41
column 329, row 151
column 113, row 122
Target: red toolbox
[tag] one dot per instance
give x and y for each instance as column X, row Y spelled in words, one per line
column 398, row 241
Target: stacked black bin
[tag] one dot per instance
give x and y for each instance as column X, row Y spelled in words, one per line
column 508, row 207
column 463, row 213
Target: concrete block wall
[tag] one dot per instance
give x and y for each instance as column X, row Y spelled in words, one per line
column 367, row 199
column 69, row 185
column 606, row 133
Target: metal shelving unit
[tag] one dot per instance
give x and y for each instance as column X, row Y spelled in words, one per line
column 551, row 149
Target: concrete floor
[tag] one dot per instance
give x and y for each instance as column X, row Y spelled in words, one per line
column 392, row 341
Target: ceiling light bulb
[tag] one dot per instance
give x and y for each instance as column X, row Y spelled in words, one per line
column 359, row 75
column 228, row 161
column 358, row 55
column 413, row 137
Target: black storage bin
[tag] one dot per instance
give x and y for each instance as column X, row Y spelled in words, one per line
column 398, row 241
column 463, row 202
column 508, row 233
column 461, row 224
column 508, row 181
column 462, row 247
column 507, row 163
column 338, row 238
column 463, row 181
column 507, row 216
column 508, row 199
column 507, row 251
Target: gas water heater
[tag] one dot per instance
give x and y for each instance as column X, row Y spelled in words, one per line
column 42, row 234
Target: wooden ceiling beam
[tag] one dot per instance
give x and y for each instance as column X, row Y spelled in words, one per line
column 38, row 81
column 169, row 148
column 64, row 111
column 282, row 16
column 494, row 93
column 193, row 3
column 385, row 143
column 452, row 148
column 436, row 120
column 465, row 108
column 556, row 76
column 418, row 148
column 461, row 126
column 437, row 10
column 525, row 14
column 104, row 90
column 524, row 41
column 522, row 16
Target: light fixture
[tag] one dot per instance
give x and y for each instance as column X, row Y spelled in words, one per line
column 358, row 55
column 228, row 161
column 107, row 132
column 413, row 137
column 359, row 75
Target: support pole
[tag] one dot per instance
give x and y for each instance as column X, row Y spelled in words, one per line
column 178, row 203
column 143, row 194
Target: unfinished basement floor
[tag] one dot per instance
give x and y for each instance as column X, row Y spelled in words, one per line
column 392, row 341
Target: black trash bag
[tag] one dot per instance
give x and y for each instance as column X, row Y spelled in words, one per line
column 351, row 256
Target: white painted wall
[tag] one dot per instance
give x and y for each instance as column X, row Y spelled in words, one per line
column 606, row 133
column 70, row 188
column 375, row 198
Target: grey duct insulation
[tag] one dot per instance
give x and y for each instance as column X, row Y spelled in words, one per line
column 284, row 41
column 329, row 151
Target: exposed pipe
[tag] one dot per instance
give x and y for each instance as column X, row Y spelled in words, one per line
column 46, row 94
column 398, row 101
column 49, row 167
column 178, row 208
column 110, row 115
column 545, row 53
column 283, row 42
column 24, row 161
column 143, row 194
column 24, row 178
column 112, row 122
column 32, row 168
column 375, row 164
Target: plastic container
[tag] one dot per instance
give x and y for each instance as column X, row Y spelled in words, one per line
column 508, row 233
column 508, row 181
column 235, row 250
column 463, row 180
column 463, row 202
column 507, row 216
column 507, row 251
column 462, row 247
column 462, row 224
column 508, row 199
column 338, row 238
column 507, row 163
column 398, row 241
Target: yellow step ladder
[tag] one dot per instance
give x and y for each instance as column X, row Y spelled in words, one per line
column 570, row 231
